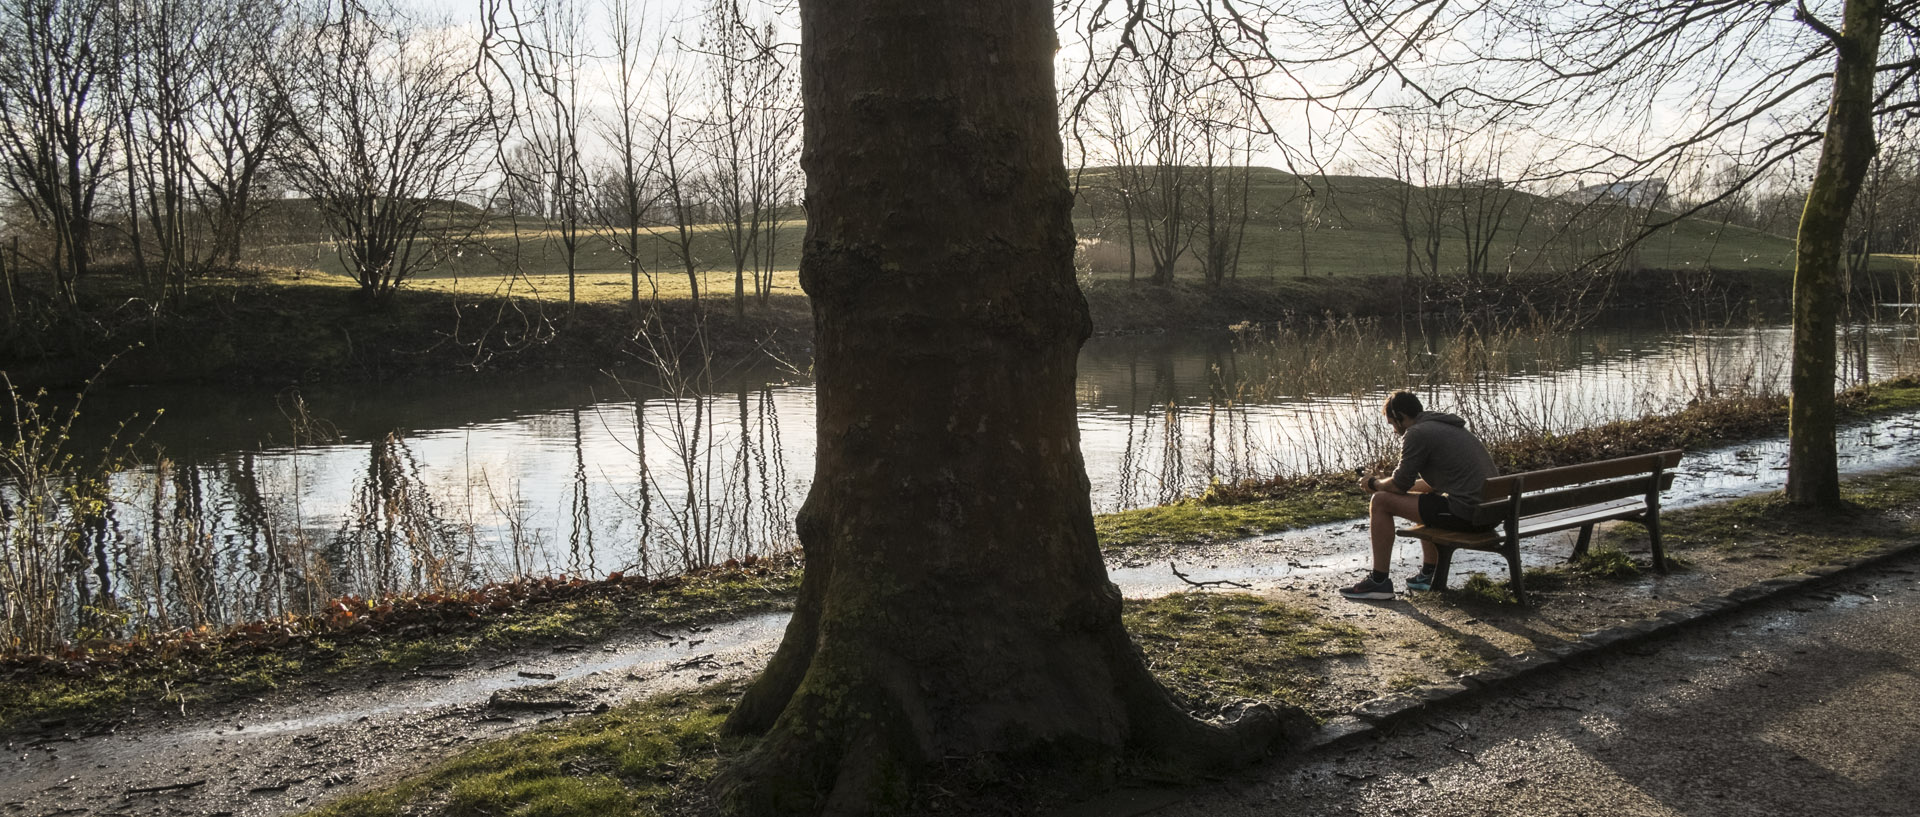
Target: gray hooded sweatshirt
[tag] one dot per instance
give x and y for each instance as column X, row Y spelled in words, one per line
column 1439, row 449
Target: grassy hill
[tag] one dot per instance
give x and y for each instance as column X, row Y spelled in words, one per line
column 1337, row 226
column 1298, row 231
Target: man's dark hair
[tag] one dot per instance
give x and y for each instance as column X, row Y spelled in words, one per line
column 1403, row 405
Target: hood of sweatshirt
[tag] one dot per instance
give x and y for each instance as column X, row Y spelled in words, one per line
column 1443, row 417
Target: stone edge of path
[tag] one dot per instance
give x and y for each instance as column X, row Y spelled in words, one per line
column 1369, row 719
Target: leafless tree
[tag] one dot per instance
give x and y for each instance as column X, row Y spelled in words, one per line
column 748, row 135
column 622, row 212
column 236, row 128
column 924, row 539
column 57, row 130
column 384, row 122
column 673, row 128
column 546, row 44
column 1224, row 187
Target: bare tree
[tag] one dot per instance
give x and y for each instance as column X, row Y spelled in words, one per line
column 1225, row 186
column 384, row 122
column 57, row 130
column 1111, row 123
column 236, row 128
column 673, row 132
column 623, row 214
column 1766, row 82
column 546, row 41
column 164, row 80
column 747, row 134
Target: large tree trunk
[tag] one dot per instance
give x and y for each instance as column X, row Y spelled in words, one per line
column 1813, row 470
column 955, row 602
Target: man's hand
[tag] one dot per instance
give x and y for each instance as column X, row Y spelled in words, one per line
column 1367, row 485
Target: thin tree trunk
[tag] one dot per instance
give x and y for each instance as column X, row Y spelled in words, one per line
column 955, row 603
column 1813, row 471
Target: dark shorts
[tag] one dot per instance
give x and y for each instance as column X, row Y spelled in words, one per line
column 1437, row 510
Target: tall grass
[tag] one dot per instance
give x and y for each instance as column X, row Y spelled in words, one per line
column 55, row 517
column 1302, row 400
column 118, row 539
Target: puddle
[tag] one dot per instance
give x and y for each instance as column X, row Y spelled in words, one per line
column 1334, row 552
column 762, row 631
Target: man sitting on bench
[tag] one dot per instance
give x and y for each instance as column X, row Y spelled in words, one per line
column 1442, row 467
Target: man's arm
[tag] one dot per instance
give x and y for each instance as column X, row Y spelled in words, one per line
column 1371, row 484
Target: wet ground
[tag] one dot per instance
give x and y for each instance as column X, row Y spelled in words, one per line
column 285, row 754
column 1801, row 706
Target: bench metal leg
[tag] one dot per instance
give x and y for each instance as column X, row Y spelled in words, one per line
column 1580, row 547
column 1440, row 568
column 1653, row 535
column 1513, row 567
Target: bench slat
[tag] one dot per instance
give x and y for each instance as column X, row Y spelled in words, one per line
column 1533, row 525
column 1535, row 504
column 1549, row 478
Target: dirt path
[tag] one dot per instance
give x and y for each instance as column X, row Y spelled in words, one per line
column 1796, row 707
column 286, row 753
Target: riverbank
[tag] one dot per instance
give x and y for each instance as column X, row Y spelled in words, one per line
column 639, row 735
column 100, row 680
column 274, row 328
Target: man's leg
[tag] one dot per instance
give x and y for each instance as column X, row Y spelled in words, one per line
column 1428, row 553
column 1385, row 507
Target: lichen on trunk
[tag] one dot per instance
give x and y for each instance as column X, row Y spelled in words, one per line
column 955, row 603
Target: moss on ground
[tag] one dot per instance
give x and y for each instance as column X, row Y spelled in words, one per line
column 1203, row 520
column 1897, row 394
column 647, row 758
column 657, row 756
column 1876, row 511
column 184, row 675
column 1213, row 648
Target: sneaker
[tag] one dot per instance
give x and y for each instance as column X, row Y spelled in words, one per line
column 1369, row 589
column 1422, row 581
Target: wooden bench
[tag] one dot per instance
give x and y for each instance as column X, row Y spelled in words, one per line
column 1557, row 499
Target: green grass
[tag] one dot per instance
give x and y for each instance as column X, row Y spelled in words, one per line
column 1199, row 520
column 1353, row 232
column 1607, row 562
column 648, row 758
column 1352, row 229
column 1216, row 647
column 1878, row 511
column 1897, row 394
column 657, row 757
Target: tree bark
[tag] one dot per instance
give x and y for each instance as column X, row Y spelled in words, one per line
column 955, row 602
column 1813, row 470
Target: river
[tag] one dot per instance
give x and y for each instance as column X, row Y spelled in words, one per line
column 267, row 502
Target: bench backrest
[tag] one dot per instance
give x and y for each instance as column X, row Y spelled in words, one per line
column 1571, row 486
